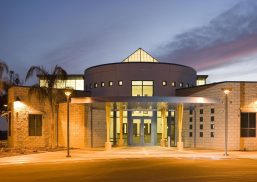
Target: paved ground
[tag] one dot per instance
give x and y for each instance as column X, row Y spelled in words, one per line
column 131, row 164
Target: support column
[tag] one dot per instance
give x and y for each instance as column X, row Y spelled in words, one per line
column 163, row 116
column 180, row 109
column 121, row 141
column 108, row 144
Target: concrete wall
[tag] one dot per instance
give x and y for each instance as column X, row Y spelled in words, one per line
column 243, row 98
column 20, row 111
column 127, row 72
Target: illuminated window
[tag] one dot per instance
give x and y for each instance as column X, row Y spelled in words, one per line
column 35, row 125
column 248, row 125
column 120, row 83
column 102, row 84
column 110, row 83
column 187, row 85
column 181, row 84
column 212, row 126
column 140, row 56
column 142, row 88
column 95, row 85
column 164, row 83
column 173, row 84
column 200, row 82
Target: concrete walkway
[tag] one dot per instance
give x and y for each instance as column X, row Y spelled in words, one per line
column 124, row 153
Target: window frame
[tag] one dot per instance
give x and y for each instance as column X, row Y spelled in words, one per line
column 248, row 128
column 142, row 85
column 34, row 132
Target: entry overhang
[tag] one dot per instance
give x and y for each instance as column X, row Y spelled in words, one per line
column 175, row 100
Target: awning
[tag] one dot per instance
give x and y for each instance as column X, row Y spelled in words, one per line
column 175, row 100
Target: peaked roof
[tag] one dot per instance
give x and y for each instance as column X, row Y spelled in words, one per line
column 140, row 55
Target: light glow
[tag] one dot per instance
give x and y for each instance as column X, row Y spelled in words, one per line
column 227, row 91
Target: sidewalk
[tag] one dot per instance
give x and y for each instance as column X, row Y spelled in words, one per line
column 124, row 153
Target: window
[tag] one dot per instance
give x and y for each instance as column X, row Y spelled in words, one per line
column 190, row 119
column 164, row 83
column 95, row 85
column 9, row 123
column 190, row 111
column 187, row 85
column 201, row 126
column 190, row 134
column 173, row 84
column 120, row 83
column 190, row 127
column 201, row 134
column 110, row 83
column 102, row 84
column 201, row 119
column 181, row 84
column 201, row 111
column 142, row 88
column 35, row 125
column 212, row 110
column 212, row 118
column 212, row 126
column 248, row 124
column 212, row 134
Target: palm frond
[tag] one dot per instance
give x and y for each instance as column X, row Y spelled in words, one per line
column 40, row 92
column 3, row 68
column 36, row 70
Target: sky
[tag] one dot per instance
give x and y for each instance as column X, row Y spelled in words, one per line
column 218, row 38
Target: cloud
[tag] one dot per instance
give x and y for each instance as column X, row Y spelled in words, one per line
column 228, row 36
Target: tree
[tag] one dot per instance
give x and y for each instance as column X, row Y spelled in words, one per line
column 48, row 92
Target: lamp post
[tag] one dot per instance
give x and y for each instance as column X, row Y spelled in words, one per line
column 68, row 92
column 226, row 92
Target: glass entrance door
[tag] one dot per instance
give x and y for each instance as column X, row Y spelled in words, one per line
column 142, row 131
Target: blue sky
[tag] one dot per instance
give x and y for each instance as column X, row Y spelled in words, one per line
column 218, row 37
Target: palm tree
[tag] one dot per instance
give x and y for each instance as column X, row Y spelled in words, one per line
column 48, row 92
column 4, row 83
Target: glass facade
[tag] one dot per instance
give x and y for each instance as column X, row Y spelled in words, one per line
column 141, row 125
column 75, row 82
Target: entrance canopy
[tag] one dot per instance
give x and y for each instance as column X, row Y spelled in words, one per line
column 174, row 100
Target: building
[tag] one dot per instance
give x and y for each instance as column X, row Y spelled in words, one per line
column 138, row 102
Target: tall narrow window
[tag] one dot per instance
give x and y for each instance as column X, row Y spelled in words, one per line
column 95, row 85
column 142, row 88
column 110, row 83
column 102, row 84
column 35, row 125
column 173, row 84
column 164, row 83
column 181, row 84
column 248, row 124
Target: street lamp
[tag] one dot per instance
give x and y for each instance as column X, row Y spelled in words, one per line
column 226, row 92
column 68, row 92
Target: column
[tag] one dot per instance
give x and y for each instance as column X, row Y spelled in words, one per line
column 163, row 116
column 121, row 142
column 108, row 144
column 180, row 120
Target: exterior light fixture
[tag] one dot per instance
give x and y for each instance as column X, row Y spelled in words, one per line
column 17, row 99
column 68, row 92
column 5, row 105
column 226, row 92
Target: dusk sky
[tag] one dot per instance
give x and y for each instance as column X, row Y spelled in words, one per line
column 216, row 37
